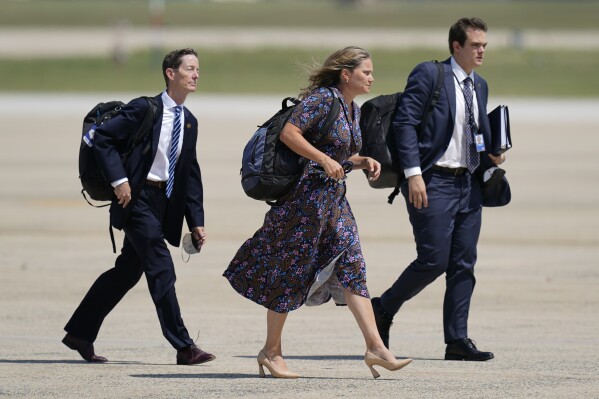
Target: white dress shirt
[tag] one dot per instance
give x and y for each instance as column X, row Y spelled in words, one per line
column 159, row 169
column 455, row 155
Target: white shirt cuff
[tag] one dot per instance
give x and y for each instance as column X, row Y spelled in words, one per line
column 117, row 182
column 409, row 172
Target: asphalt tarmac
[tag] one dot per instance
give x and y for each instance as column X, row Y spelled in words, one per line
column 535, row 302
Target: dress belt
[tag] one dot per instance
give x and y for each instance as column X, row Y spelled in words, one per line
column 451, row 171
column 159, row 184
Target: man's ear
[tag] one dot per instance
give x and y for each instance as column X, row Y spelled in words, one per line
column 170, row 73
column 455, row 45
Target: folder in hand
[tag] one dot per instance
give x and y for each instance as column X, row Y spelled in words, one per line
column 499, row 120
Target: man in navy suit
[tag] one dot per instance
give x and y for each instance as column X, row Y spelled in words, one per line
column 154, row 190
column 443, row 164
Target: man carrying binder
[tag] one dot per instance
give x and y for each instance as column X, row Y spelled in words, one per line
column 444, row 163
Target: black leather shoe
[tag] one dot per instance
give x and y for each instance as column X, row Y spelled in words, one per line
column 383, row 321
column 85, row 349
column 193, row 355
column 465, row 349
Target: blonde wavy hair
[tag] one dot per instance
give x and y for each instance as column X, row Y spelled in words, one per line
column 329, row 74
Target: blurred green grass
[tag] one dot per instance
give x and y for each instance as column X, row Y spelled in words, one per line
column 505, row 14
column 509, row 72
column 564, row 73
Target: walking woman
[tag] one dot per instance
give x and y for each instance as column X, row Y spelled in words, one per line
column 308, row 250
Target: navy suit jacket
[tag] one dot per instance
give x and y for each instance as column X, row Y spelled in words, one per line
column 424, row 147
column 187, row 197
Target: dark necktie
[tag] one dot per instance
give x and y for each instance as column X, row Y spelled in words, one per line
column 472, row 157
column 172, row 156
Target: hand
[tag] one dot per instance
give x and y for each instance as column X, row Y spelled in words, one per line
column 417, row 191
column 123, row 193
column 199, row 234
column 373, row 167
column 332, row 168
column 497, row 160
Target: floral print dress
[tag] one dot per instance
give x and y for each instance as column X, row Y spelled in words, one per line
column 309, row 244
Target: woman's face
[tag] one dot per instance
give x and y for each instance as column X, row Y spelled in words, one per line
column 361, row 78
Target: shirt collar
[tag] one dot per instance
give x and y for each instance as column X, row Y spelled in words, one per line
column 459, row 72
column 168, row 102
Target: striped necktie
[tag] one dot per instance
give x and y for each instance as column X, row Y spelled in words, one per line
column 172, row 156
column 472, row 157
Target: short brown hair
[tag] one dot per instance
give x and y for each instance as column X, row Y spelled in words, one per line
column 457, row 32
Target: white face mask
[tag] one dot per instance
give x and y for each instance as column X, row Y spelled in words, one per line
column 189, row 246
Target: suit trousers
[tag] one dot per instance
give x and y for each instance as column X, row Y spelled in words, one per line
column 144, row 251
column 446, row 235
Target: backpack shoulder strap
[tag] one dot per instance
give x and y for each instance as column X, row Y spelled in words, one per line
column 144, row 127
column 152, row 109
column 149, row 119
column 333, row 113
column 440, row 78
column 432, row 102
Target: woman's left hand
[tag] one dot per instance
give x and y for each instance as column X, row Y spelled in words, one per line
column 373, row 167
column 370, row 164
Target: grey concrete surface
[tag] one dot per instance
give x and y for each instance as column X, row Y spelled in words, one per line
column 535, row 303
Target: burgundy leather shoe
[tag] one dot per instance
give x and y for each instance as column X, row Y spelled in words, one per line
column 193, row 355
column 85, row 349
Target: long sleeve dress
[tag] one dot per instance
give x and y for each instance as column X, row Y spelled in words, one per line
column 308, row 249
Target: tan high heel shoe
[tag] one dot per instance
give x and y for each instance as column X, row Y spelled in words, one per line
column 373, row 360
column 263, row 361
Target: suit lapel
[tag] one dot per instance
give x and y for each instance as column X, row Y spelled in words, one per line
column 186, row 130
column 481, row 100
column 480, row 96
column 187, row 139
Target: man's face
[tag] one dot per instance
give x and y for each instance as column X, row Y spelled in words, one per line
column 185, row 78
column 471, row 55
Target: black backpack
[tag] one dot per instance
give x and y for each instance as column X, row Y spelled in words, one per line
column 376, row 121
column 269, row 169
column 90, row 174
column 378, row 140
